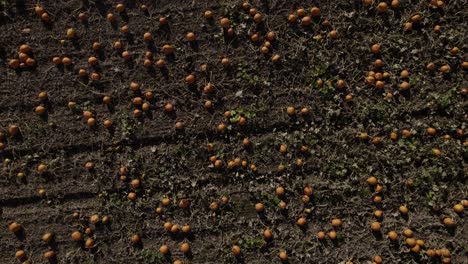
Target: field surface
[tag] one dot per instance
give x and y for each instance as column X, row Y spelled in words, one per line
column 179, row 131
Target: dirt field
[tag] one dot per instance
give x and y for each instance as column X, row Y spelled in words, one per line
column 355, row 116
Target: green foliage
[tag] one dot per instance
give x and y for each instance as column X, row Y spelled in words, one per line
column 270, row 200
column 243, row 74
column 445, row 100
column 252, row 242
column 151, row 256
column 114, row 200
column 4, row 4
column 126, row 126
column 327, row 90
column 238, row 113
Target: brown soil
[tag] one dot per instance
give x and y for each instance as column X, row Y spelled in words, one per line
column 175, row 164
